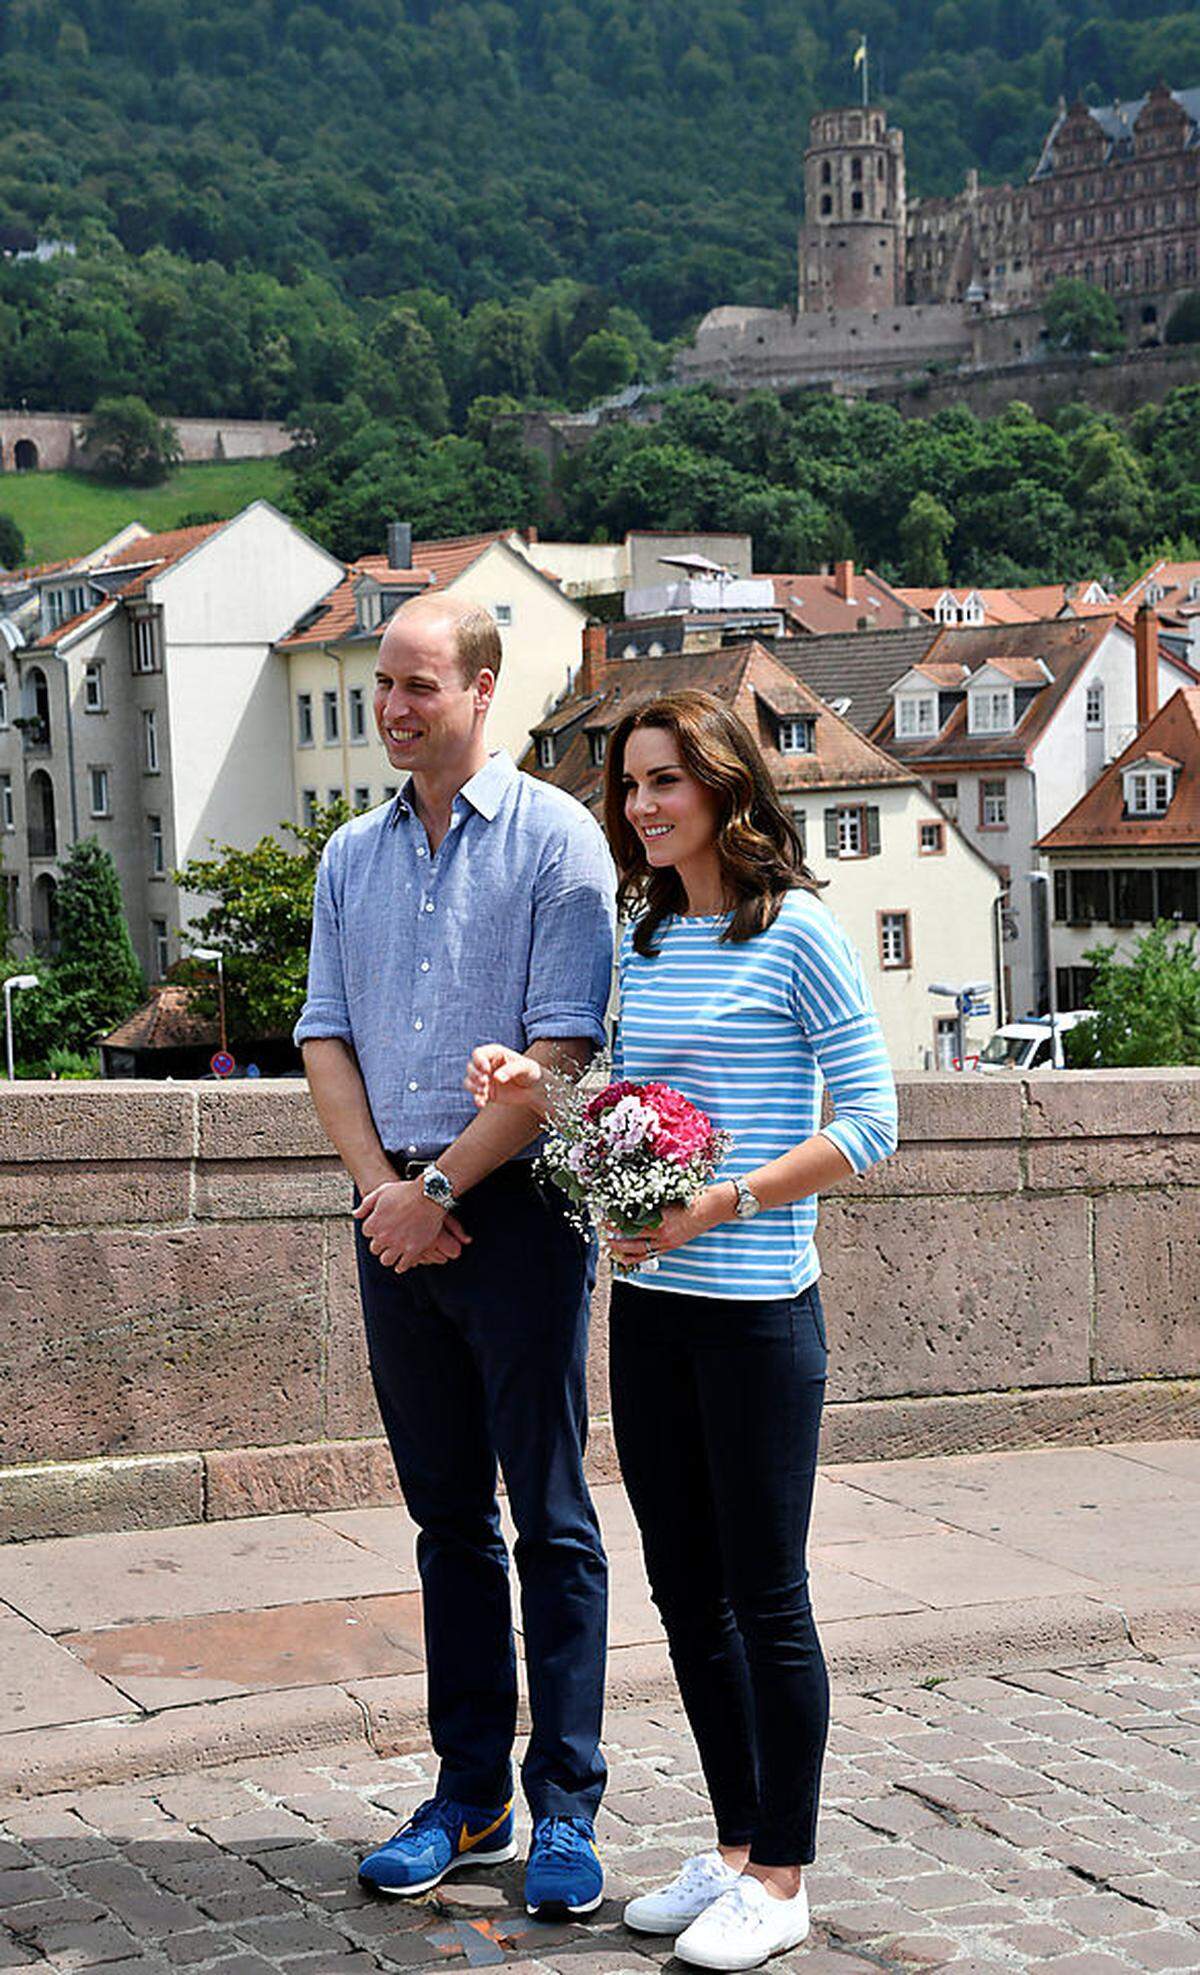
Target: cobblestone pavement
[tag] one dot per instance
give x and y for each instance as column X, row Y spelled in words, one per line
column 1040, row 1820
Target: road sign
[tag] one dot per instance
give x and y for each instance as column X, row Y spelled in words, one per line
column 222, row 1064
column 252, row 1070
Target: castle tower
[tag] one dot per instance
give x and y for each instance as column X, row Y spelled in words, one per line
column 852, row 239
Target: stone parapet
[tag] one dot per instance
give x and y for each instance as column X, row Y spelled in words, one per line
column 182, row 1336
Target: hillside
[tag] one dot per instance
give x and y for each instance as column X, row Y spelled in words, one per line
column 650, row 148
column 64, row 514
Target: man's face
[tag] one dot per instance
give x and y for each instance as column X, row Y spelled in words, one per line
column 428, row 720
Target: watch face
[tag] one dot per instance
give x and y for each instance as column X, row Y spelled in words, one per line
column 437, row 1188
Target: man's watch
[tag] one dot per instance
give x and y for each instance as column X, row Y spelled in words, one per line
column 748, row 1202
column 436, row 1187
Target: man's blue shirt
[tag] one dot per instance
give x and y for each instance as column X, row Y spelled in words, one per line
column 505, row 935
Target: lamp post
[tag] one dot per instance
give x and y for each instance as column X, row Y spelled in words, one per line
column 210, row 953
column 971, row 998
column 1037, row 878
column 10, row 987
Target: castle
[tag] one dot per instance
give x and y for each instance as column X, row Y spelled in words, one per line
column 888, row 284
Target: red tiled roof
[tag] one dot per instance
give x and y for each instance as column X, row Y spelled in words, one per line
column 1098, row 820
column 1065, row 644
column 169, row 1020
column 447, row 560
column 1022, row 671
column 167, row 547
column 1173, row 578
column 815, row 603
column 1035, row 604
column 337, row 614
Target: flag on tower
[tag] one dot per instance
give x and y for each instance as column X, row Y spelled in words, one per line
column 860, row 53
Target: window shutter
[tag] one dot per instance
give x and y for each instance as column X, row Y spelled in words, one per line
column 800, row 820
column 831, row 833
column 872, row 831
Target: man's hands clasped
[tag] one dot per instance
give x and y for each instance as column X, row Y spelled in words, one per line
column 405, row 1230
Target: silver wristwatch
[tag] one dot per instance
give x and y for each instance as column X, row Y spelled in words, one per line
column 748, row 1203
column 436, row 1187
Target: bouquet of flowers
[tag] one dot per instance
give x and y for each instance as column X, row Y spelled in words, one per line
column 629, row 1151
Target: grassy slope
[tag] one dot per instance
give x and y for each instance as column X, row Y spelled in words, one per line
column 63, row 514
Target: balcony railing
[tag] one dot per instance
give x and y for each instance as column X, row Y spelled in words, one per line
column 43, row 843
column 35, row 734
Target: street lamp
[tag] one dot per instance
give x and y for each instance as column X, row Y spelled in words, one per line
column 971, row 998
column 10, row 986
column 1043, row 878
column 210, row 953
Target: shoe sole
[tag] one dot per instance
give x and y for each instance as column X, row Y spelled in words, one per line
column 501, row 1857
column 561, row 1906
column 739, row 1967
column 675, row 1926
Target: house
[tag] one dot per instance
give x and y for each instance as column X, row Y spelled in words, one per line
column 637, row 562
column 330, row 655
column 1128, row 853
column 1173, row 590
column 842, row 599
column 140, row 704
column 1008, row 726
column 854, row 671
column 946, row 605
column 890, row 856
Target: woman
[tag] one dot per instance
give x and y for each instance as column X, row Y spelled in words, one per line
column 740, row 989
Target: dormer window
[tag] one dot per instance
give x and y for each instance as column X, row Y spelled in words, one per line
column 545, row 751
column 597, row 746
column 990, row 710
column 1194, row 590
column 795, row 736
column 1148, row 791
column 945, row 610
column 972, row 610
column 1155, row 593
column 916, row 714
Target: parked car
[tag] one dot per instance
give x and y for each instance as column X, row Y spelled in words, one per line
column 1030, row 1045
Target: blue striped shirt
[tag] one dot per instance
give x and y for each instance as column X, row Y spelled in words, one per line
column 751, row 1033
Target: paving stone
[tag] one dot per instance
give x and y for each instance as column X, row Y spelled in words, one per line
column 1089, row 1962
column 83, row 1943
column 290, row 1934
column 1161, row 1949
column 202, row 1944
column 28, row 1921
column 25, row 1883
column 1036, row 1937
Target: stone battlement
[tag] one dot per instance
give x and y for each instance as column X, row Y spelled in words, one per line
column 182, row 1337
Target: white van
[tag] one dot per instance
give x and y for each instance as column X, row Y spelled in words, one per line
column 1029, row 1045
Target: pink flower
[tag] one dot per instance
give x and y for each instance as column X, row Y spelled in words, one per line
column 605, row 1099
column 684, row 1131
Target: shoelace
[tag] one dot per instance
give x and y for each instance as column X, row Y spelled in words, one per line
column 734, row 1908
column 430, row 1812
column 557, row 1836
column 704, row 1870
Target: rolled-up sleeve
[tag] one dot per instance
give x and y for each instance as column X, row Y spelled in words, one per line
column 326, row 1011
column 833, row 1005
column 574, row 928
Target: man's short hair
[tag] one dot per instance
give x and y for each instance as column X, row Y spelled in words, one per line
column 478, row 643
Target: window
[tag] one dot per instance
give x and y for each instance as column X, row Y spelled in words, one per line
column 917, row 715
column 852, row 831
column 1132, row 897
column 1177, row 895
column 1148, row 792
column 990, row 710
column 502, row 612
column 545, row 750
column 856, row 202
column 333, row 725
column 12, row 902
column 150, row 742
column 158, row 858
column 895, row 943
column 93, row 687
column 849, row 833
column 333, row 795
column 1094, row 716
column 597, row 746
column 8, row 820
column 931, row 838
column 308, row 807
column 3, row 701
column 357, row 714
column 304, row 720
column 362, row 796
column 162, row 949
column 945, row 794
column 147, row 655
column 795, row 737
column 389, row 791
column 98, row 786
column 993, row 805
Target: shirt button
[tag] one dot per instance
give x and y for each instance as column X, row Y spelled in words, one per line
column 421, row 850
column 412, row 1148
column 424, row 966
column 412, row 1083
column 418, row 1024
column 429, row 905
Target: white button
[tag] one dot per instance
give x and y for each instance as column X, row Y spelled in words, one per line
column 420, row 850
column 424, row 966
column 418, row 1024
column 429, row 905
column 412, row 1148
column 412, row 1083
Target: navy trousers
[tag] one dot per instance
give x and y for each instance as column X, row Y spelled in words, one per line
column 479, row 1363
column 717, row 1413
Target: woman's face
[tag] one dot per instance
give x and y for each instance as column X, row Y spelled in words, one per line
column 673, row 814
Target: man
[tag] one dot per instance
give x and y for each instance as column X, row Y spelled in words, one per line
column 478, row 904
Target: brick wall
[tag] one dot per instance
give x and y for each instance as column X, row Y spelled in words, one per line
column 181, row 1330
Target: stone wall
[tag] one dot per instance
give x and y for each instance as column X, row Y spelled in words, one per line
column 59, row 439
column 181, row 1334
column 1113, row 384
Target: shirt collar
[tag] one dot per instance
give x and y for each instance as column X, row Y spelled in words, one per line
column 485, row 791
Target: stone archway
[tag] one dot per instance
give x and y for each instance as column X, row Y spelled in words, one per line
column 44, row 920
column 42, row 824
column 25, row 456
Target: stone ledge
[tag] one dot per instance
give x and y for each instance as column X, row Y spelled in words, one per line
column 1112, row 1103
column 999, row 1422
column 75, row 1498
column 52, row 1122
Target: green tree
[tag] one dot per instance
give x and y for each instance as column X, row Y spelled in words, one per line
column 127, row 441
column 95, row 968
column 603, row 363
column 12, row 543
column 261, row 921
column 1183, row 323
column 1082, row 318
column 408, row 382
column 1146, row 1009
column 925, row 533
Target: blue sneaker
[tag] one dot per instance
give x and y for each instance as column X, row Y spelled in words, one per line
column 441, row 1836
column 564, row 1868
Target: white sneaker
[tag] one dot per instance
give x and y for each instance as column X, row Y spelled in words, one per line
column 744, row 1927
column 700, row 1881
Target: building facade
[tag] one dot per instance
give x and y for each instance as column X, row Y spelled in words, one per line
column 852, row 245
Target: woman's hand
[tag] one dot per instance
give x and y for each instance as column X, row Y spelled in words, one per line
column 711, row 1206
column 496, row 1075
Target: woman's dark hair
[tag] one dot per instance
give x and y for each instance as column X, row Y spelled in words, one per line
column 759, row 847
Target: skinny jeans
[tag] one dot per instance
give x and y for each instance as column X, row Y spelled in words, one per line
column 716, row 1410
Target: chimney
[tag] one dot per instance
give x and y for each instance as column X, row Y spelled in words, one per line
column 531, row 535
column 594, row 662
column 843, row 580
column 1145, row 638
column 399, row 544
